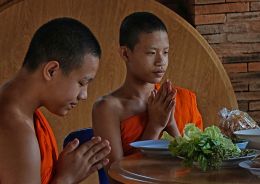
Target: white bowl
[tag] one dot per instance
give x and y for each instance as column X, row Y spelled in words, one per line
column 252, row 135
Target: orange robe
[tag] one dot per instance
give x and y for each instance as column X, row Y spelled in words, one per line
column 186, row 111
column 47, row 144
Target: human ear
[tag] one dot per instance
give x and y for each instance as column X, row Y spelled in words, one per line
column 50, row 69
column 123, row 51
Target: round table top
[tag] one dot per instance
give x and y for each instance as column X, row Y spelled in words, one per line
column 139, row 168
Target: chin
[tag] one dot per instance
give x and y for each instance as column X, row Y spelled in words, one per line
column 60, row 112
column 156, row 80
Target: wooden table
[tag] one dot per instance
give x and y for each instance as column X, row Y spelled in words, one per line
column 142, row 169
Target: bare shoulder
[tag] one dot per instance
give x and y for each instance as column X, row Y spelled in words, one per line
column 19, row 155
column 108, row 104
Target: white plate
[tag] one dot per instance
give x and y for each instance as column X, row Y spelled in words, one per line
column 252, row 135
column 247, row 165
column 153, row 147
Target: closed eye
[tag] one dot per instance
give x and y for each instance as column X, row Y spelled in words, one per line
column 81, row 84
column 150, row 53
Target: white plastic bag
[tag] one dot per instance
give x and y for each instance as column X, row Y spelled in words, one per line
column 234, row 120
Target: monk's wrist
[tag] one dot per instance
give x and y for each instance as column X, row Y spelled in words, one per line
column 152, row 132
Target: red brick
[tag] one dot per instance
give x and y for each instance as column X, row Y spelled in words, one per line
column 255, row 115
column 255, row 105
column 248, row 95
column 249, row 77
column 254, row 6
column 254, row 86
column 235, row 1
column 208, row 1
column 221, row 8
column 210, row 29
column 235, row 67
column 254, row 66
column 241, row 17
column 233, row 27
column 240, row 86
column 243, row 106
column 236, row 27
column 241, row 58
column 244, row 37
column 209, row 19
column 254, row 26
column 235, row 49
column 215, row 38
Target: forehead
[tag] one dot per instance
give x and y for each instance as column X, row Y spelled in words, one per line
column 88, row 68
column 157, row 39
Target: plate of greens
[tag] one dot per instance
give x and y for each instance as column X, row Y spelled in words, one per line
column 153, row 147
column 208, row 149
column 246, row 154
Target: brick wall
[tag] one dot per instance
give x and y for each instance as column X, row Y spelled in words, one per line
column 232, row 28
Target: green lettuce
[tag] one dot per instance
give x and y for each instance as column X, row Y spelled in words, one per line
column 207, row 149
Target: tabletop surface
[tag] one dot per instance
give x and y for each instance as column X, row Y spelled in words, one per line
column 139, row 168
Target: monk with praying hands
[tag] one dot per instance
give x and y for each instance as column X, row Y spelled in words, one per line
column 62, row 59
column 141, row 108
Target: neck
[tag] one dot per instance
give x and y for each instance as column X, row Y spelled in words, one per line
column 134, row 88
column 23, row 92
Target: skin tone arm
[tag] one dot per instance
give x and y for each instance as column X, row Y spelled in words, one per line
column 160, row 108
column 106, row 123
column 21, row 160
column 19, row 156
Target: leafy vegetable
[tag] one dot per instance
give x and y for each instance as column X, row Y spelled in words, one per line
column 208, row 148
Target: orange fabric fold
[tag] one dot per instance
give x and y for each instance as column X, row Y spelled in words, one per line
column 186, row 111
column 47, row 144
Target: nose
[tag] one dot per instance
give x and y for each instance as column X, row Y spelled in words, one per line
column 161, row 59
column 83, row 94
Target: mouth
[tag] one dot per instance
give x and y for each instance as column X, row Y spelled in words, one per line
column 72, row 105
column 159, row 73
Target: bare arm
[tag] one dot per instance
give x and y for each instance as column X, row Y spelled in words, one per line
column 172, row 127
column 19, row 156
column 106, row 123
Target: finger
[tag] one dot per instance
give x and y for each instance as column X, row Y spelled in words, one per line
column 170, row 105
column 170, row 87
column 99, row 153
column 151, row 97
column 158, row 93
column 99, row 165
column 85, row 147
column 154, row 94
column 94, row 150
column 71, row 146
column 162, row 92
column 174, row 90
column 169, row 98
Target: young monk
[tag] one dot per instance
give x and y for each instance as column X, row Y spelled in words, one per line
column 141, row 109
column 62, row 59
